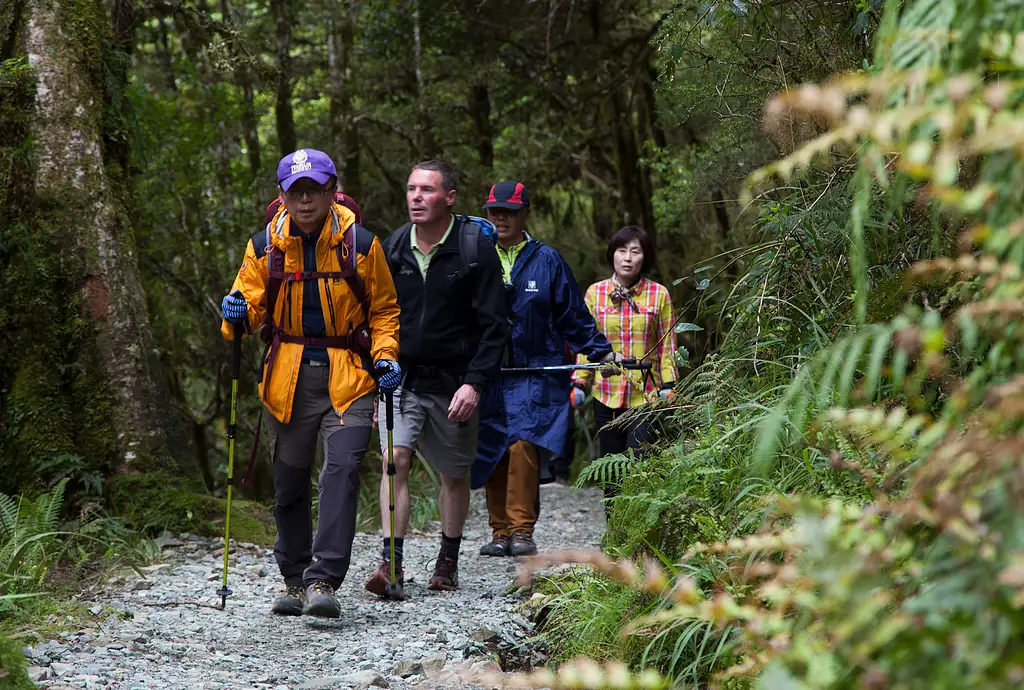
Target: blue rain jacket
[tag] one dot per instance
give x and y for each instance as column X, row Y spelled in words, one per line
column 547, row 311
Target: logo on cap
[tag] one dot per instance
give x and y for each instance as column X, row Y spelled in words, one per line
column 300, row 162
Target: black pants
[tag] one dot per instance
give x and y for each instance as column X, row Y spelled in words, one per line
column 620, row 438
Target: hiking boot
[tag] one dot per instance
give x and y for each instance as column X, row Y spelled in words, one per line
column 446, row 574
column 381, row 578
column 320, row 601
column 289, row 603
column 497, row 547
column 522, row 544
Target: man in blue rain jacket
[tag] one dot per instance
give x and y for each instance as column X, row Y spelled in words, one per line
column 520, row 413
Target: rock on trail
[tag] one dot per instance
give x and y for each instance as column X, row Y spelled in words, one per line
column 143, row 639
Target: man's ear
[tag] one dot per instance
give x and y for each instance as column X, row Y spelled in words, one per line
column 451, row 197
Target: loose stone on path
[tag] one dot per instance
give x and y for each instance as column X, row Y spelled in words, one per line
column 166, row 630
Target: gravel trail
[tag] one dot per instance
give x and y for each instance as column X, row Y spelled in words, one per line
column 427, row 641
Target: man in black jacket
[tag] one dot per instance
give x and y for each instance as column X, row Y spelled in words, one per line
column 452, row 335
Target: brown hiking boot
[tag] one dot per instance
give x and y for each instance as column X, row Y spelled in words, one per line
column 522, row 544
column 497, row 547
column 381, row 577
column 446, row 574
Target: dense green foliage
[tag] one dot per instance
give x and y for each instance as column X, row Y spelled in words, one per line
column 838, row 501
column 843, row 506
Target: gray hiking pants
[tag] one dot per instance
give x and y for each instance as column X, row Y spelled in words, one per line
column 302, row 557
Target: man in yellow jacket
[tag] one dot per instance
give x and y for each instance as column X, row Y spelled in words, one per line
column 318, row 287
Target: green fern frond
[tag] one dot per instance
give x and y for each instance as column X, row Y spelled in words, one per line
column 607, row 470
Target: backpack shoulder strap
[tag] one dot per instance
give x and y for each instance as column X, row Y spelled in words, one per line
column 469, row 243
column 260, row 242
column 275, row 267
column 396, row 241
column 357, row 243
column 364, row 239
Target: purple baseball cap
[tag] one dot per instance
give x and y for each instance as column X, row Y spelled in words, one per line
column 316, row 165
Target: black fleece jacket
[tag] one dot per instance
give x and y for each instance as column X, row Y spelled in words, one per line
column 455, row 323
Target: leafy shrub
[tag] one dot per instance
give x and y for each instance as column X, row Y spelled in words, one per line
column 864, row 466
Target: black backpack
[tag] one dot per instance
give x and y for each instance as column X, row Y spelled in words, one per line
column 469, row 229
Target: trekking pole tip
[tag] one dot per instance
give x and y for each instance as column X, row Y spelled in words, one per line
column 395, row 592
column 224, row 593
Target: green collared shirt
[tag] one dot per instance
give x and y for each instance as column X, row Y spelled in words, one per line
column 423, row 260
column 508, row 257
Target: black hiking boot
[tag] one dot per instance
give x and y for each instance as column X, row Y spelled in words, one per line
column 320, row 601
column 289, row 603
column 522, row 544
column 497, row 547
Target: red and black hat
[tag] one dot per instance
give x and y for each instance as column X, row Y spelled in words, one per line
column 509, row 194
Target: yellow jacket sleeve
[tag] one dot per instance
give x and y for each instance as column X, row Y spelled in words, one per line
column 383, row 305
column 667, row 340
column 585, row 378
column 251, row 281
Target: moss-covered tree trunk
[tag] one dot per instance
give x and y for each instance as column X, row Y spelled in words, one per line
column 77, row 368
column 344, row 131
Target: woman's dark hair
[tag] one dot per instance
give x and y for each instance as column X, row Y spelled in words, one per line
column 626, row 235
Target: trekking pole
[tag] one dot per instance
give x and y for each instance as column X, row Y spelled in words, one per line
column 236, row 364
column 629, row 364
column 393, row 589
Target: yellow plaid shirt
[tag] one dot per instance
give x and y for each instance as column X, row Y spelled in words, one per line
column 633, row 333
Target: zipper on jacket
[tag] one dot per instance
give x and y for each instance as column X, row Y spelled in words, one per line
column 423, row 309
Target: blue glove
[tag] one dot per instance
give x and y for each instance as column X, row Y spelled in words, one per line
column 234, row 308
column 389, row 375
column 577, row 396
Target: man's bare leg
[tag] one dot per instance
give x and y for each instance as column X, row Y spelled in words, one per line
column 380, row 578
column 403, row 460
column 454, row 504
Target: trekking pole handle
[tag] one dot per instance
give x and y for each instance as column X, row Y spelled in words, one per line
column 389, row 412
column 236, row 347
column 632, row 363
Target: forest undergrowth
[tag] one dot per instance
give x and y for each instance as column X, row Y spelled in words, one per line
column 842, row 504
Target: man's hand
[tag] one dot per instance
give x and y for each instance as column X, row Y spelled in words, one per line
column 389, row 375
column 464, row 403
column 577, row 396
column 234, row 309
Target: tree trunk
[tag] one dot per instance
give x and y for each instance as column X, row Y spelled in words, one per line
column 634, row 178
column 286, row 140
column 341, row 32
column 244, row 80
column 480, row 112
column 78, row 180
column 424, row 129
column 164, row 54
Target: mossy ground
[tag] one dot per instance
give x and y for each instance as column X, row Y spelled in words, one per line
column 155, row 502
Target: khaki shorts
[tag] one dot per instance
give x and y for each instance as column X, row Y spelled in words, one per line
column 421, row 423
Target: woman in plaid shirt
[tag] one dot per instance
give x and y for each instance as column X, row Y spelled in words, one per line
column 635, row 314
